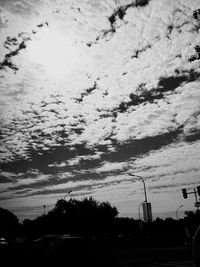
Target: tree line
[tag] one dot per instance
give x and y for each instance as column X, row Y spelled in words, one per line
column 90, row 218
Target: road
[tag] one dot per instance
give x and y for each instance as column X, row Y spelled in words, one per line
column 53, row 250
column 153, row 257
column 184, row 263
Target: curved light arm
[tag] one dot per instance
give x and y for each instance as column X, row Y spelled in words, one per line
column 145, row 192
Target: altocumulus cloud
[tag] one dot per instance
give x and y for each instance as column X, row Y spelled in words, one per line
column 126, row 101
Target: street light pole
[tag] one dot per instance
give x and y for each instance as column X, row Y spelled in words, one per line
column 145, row 192
column 177, row 211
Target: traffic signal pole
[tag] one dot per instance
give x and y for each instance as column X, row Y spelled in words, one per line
column 195, row 193
column 185, row 195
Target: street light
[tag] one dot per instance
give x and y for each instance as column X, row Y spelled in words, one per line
column 145, row 193
column 67, row 194
column 177, row 211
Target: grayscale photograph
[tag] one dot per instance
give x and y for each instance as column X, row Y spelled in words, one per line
column 100, row 133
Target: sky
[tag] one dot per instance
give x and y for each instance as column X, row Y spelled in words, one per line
column 93, row 92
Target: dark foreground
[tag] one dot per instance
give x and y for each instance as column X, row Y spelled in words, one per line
column 66, row 250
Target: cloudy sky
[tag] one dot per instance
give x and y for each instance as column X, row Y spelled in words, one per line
column 95, row 90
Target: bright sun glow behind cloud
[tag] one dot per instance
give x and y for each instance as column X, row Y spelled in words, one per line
column 54, row 52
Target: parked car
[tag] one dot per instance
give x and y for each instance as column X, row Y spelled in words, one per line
column 3, row 242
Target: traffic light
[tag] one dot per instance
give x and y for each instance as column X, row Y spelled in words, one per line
column 184, row 191
column 198, row 190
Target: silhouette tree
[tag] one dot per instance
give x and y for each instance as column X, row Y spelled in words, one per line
column 86, row 217
column 85, row 207
column 8, row 223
